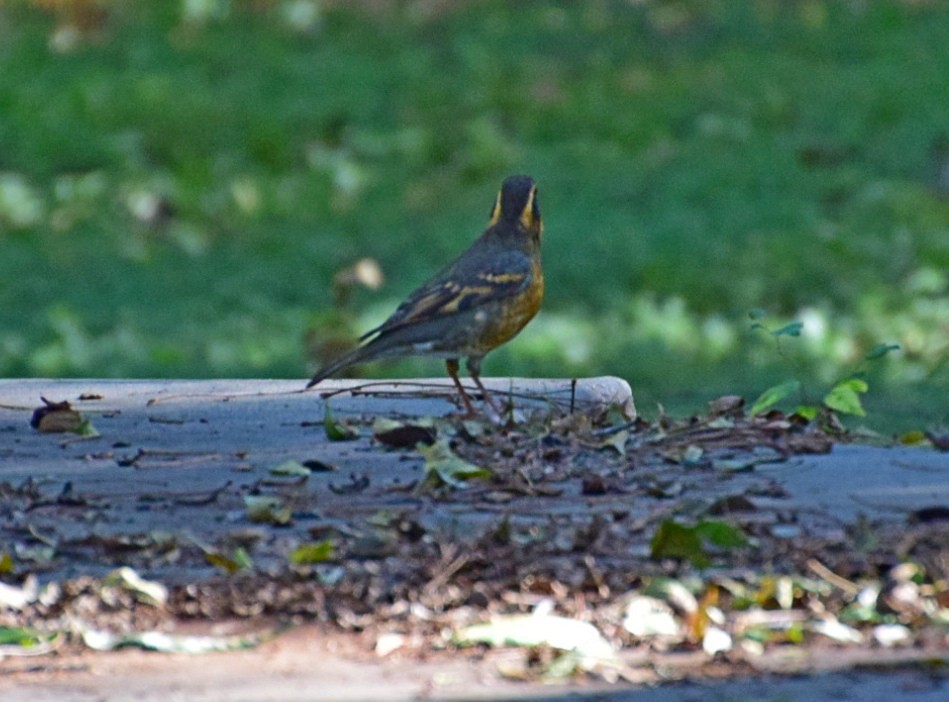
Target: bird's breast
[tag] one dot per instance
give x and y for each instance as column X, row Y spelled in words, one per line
column 509, row 316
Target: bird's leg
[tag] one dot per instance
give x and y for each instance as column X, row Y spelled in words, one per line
column 474, row 370
column 452, row 365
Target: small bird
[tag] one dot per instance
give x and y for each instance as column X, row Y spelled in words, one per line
column 479, row 301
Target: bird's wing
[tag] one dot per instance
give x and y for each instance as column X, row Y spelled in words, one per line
column 449, row 292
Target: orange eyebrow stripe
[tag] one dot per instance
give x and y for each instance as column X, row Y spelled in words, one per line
column 527, row 214
column 496, row 212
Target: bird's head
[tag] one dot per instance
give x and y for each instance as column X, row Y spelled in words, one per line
column 517, row 204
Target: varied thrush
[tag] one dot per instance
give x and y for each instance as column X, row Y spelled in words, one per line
column 476, row 303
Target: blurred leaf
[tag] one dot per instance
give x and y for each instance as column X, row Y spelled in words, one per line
column 230, row 564
column 265, row 508
column 832, row 628
column 792, row 329
column 913, row 438
column 165, row 643
column 716, row 640
column 721, row 534
column 692, row 456
column 86, row 430
column 146, row 591
column 757, row 313
column 774, row 395
column 845, row 396
column 56, row 417
column 24, row 637
column 315, row 552
column 645, row 617
column 881, row 350
column 20, row 204
column 674, row 540
column 337, row 431
column 808, row 412
column 531, row 630
column 242, row 558
column 616, row 441
column 290, row 468
column 6, row 563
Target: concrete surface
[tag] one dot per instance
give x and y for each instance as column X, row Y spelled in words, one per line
column 175, row 438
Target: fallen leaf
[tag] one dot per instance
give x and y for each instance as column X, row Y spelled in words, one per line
column 145, row 591
column 290, row 468
column 443, row 466
column 401, row 435
column 337, row 430
column 166, row 643
column 716, row 640
column 26, row 641
column 238, row 560
column 315, row 552
column 773, row 396
column 530, row 630
column 845, row 397
column 727, row 404
column 646, row 617
column 266, row 508
column 57, row 417
column 674, row 540
column 616, row 441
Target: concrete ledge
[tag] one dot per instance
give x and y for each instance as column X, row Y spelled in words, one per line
column 416, row 397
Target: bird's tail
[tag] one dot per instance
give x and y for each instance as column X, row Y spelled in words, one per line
column 357, row 355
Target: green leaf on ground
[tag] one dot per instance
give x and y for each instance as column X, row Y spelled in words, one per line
column 721, row 534
column 845, row 397
column 86, row 430
column 238, row 560
column 674, row 540
column 24, row 637
column 774, row 395
column 315, row 552
column 443, row 466
column 808, row 412
column 337, row 430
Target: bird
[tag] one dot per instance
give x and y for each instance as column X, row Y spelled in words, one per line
column 477, row 302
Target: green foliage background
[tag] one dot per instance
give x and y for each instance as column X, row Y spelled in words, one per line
column 180, row 180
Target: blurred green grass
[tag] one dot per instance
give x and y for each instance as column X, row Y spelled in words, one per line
column 179, row 182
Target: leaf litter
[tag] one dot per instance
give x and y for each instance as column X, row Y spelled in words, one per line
column 613, row 550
